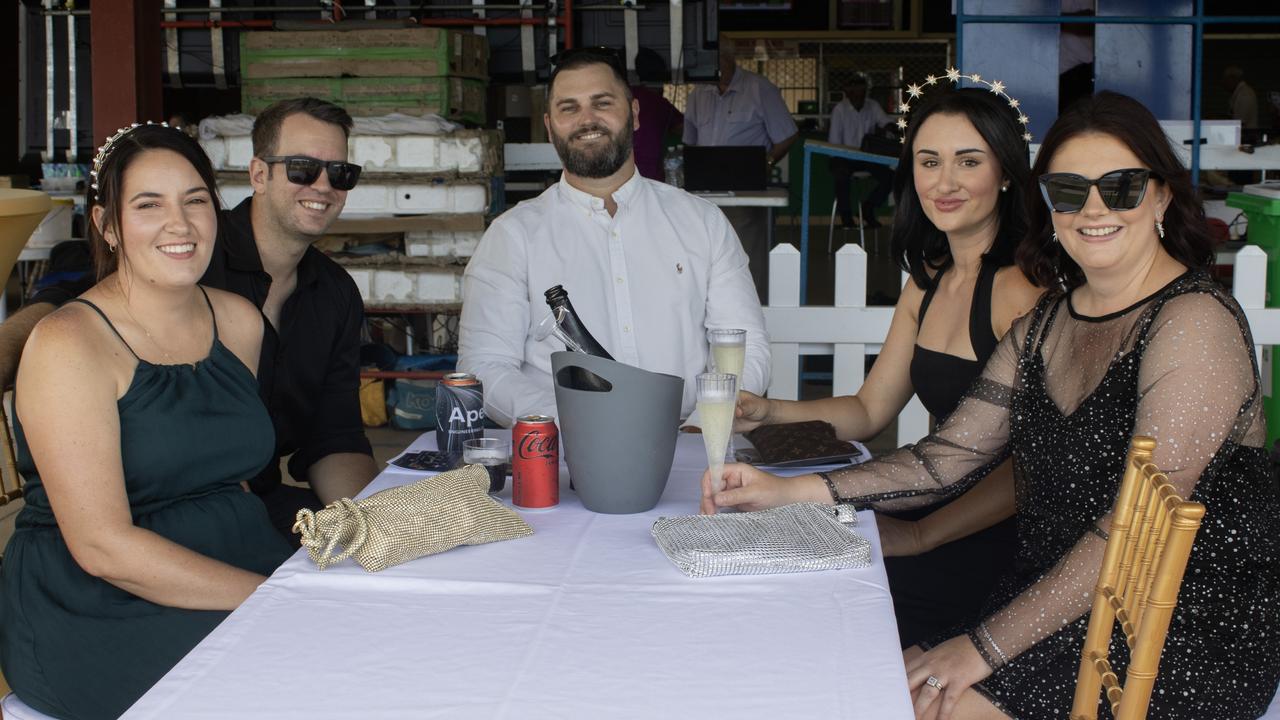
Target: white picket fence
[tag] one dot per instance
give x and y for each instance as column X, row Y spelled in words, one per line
column 850, row 330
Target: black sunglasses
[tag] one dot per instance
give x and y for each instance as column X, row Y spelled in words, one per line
column 607, row 55
column 1119, row 189
column 303, row 170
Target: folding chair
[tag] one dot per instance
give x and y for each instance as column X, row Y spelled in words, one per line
column 1152, row 532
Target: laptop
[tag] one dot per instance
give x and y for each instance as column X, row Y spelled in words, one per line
column 725, row 168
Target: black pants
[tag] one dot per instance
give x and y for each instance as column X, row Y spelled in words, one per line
column 283, row 503
column 842, row 172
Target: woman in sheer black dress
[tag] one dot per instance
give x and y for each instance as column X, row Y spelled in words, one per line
column 1139, row 341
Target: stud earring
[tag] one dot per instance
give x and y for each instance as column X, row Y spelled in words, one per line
column 1004, row 187
column 1160, row 229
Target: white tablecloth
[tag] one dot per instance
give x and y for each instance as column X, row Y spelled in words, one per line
column 584, row 619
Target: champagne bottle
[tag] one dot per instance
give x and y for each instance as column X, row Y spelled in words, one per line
column 571, row 327
column 571, row 324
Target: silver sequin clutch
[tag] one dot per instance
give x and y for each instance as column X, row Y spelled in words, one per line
column 792, row 538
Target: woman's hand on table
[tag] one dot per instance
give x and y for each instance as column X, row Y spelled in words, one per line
column 751, row 412
column 746, row 487
column 899, row 538
column 954, row 664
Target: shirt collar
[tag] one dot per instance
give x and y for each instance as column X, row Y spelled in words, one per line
column 241, row 247
column 587, row 201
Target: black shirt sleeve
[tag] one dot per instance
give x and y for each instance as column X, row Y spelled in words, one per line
column 337, row 426
column 70, row 273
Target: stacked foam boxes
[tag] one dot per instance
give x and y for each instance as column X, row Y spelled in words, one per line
column 423, row 193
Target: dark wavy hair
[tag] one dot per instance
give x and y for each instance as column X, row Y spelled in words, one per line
column 918, row 245
column 110, row 181
column 1186, row 235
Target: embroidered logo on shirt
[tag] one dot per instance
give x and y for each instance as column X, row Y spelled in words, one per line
column 679, row 269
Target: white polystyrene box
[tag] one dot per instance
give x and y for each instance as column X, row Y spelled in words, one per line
column 469, row 199
column 461, row 154
column 372, row 152
column 418, row 152
column 216, row 149
column 436, row 285
column 393, row 286
column 232, row 194
column 239, row 152
column 363, row 280
column 366, row 198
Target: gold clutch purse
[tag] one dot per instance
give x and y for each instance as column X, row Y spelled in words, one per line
column 404, row 523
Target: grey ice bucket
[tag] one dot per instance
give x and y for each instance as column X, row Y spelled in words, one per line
column 619, row 443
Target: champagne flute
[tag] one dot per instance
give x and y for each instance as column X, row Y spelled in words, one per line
column 728, row 355
column 717, row 397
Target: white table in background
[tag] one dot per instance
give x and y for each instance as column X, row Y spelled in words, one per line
column 585, row 619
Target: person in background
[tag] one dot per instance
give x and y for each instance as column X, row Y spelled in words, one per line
column 649, row 267
column 658, row 117
column 852, row 119
column 136, row 420
column 961, row 186
column 309, row 372
column 1242, row 97
column 743, row 109
column 1136, row 338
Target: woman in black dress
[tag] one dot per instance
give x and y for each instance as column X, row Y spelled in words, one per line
column 1139, row 341
column 960, row 192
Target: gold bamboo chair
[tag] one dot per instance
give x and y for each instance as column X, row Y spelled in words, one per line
column 10, row 480
column 1152, row 532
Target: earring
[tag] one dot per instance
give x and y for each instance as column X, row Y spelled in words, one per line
column 1055, row 236
column 1160, row 229
column 111, row 248
column 1004, row 187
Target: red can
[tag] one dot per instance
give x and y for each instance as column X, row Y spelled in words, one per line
column 535, row 462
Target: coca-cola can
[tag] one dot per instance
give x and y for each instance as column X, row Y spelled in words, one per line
column 459, row 411
column 535, row 462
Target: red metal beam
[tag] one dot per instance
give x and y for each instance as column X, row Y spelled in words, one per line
column 125, row 47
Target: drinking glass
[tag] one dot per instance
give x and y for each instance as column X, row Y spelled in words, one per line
column 728, row 355
column 728, row 351
column 717, row 396
column 494, row 454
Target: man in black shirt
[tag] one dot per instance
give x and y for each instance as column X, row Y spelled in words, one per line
column 308, row 373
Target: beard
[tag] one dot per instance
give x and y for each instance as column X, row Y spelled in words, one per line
column 595, row 162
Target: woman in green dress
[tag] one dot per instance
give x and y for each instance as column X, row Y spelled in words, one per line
column 137, row 419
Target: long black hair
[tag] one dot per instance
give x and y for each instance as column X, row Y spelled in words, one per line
column 110, row 181
column 1186, row 236
column 918, row 245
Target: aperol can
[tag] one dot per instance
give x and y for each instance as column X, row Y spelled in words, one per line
column 459, row 411
column 535, row 462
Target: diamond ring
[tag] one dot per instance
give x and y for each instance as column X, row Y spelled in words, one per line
column 935, row 682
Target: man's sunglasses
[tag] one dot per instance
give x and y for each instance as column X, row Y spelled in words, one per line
column 303, row 170
column 1119, row 189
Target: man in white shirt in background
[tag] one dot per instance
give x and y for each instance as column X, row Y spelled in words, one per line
column 744, row 109
column 649, row 268
column 852, row 119
column 1243, row 99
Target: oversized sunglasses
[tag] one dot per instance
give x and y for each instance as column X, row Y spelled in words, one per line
column 303, row 170
column 1119, row 189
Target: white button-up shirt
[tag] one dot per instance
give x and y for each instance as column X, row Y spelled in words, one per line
column 849, row 124
column 750, row 112
column 647, row 282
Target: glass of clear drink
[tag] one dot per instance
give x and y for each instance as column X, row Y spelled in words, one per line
column 494, row 454
column 728, row 355
column 717, row 397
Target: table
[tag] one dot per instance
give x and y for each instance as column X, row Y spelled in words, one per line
column 768, row 199
column 584, row 619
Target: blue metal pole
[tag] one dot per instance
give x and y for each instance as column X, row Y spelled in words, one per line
column 1197, row 88
column 804, row 226
column 960, row 21
column 1116, row 20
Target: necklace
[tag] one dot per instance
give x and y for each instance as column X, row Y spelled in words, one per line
column 167, row 356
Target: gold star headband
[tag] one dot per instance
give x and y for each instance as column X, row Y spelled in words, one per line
column 105, row 150
column 915, row 91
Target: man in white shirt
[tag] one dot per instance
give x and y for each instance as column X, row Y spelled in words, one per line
column 649, row 268
column 744, row 109
column 852, row 119
column 1243, row 100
